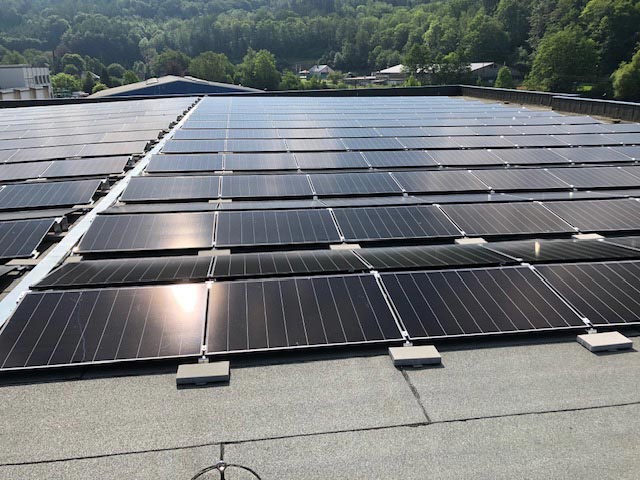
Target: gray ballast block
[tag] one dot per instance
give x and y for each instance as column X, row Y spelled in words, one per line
column 202, row 373
column 606, row 341
column 415, row 355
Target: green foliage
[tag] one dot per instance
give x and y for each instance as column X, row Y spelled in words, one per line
column 129, row 77
column 258, row 70
column 170, row 62
column 99, row 87
column 88, row 83
column 212, row 66
column 12, row 58
column 116, row 70
column 626, row 79
column 63, row 82
column 504, row 78
column 562, row 60
column 290, row 81
column 71, row 70
column 412, row 81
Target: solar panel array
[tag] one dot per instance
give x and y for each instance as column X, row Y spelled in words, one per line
column 291, row 223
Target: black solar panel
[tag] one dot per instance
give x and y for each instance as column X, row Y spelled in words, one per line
column 138, row 271
column 22, row 171
column 194, row 146
column 520, row 179
column 561, row 250
column 605, row 293
column 161, row 231
column 315, row 145
column 52, row 194
column 261, row 145
column 505, row 219
column 399, row 159
column 346, row 184
column 599, row 215
column 260, row 161
column 430, row 256
column 90, row 167
column 286, row 263
column 19, row 239
column 476, row 302
column 298, row 312
column 599, row 177
column 425, row 182
column 591, row 154
column 258, row 186
column 146, row 189
column 380, row 143
column 633, row 242
column 275, row 227
column 184, row 163
column 529, row 156
column 331, row 160
column 83, row 326
column 386, row 223
column 465, row 157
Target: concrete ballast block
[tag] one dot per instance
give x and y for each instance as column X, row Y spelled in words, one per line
column 606, row 341
column 415, row 355
column 202, row 373
column 587, row 236
column 470, row 241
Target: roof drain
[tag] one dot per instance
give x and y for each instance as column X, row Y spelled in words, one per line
column 222, row 466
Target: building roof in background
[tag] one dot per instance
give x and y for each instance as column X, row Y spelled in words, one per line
column 172, row 85
column 480, row 65
column 393, row 70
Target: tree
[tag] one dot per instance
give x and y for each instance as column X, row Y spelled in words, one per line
column 171, row 62
column 563, row 59
column 290, row 81
column 411, row 82
column 74, row 60
column 71, row 70
column 212, row 66
column 504, row 78
column 105, row 78
column 485, row 40
column 88, row 83
column 514, row 16
column 258, row 70
column 613, row 25
column 626, row 79
column 115, row 70
column 99, row 87
column 129, row 77
column 63, row 82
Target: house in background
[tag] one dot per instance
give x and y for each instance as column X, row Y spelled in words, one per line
column 395, row 75
column 172, row 85
column 321, row 71
column 24, row 82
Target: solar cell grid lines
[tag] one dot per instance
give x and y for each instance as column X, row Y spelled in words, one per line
column 275, row 227
column 506, row 219
column 19, row 239
column 258, row 186
column 599, row 215
column 387, row 223
column 148, row 232
column 331, row 160
column 104, row 325
column 599, row 177
column 401, row 158
column 50, row 194
column 260, row 161
column 354, row 184
column 520, row 179
column 605, row 293
column 466, row 157
column 438, row 181
column 298, row 312
column 145, row 189
column 591, row 154
column 184, row 163
column 476, row 302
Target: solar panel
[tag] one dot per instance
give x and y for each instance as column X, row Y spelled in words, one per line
column 591, row 154
column 286, row 263
column 193, row 146
column 520, row 179
column 632, row 152
column 86, row 326
column 430, row 256
column 561, row 250
column 505, row 219
column 91, row 167
column 633, row 242
column 260, row 161
column 184, row 163
column 22, row 171
column 275, row 227
column 599, row 177
column 137, row 271
column 605, row 293
column 193, row 134
column 19, row 239
column 259, row 145
column 529, row 156
column 438, row 181
column 370, row 201
column 161, row 231
column 534, row 141
column 52, row 194
column 597, row 215
column 386, row 223
column 353, row 184
column 331, row 160
column 298, row 312
column 258, row 186
column 455, row 303
column 311, row 145
column 465, row 157
column 429, row 142
column 379, row 143
column 399, row 159
column 147, row 189
column 270, row 204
